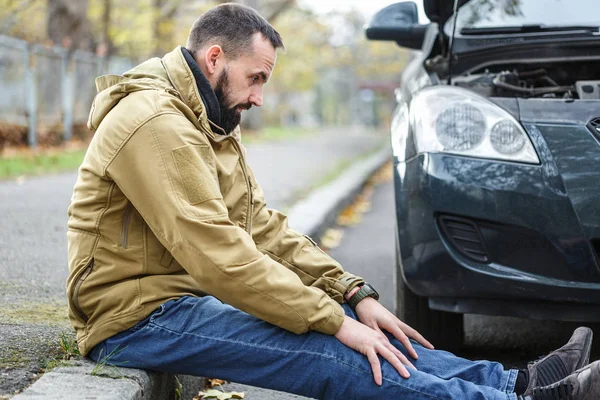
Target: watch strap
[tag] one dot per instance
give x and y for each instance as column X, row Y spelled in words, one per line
column 365, row 291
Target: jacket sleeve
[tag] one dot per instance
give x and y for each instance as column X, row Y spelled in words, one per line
column 167, row 170
column 297, row 252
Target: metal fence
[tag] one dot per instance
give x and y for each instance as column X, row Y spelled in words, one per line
column 47, row 90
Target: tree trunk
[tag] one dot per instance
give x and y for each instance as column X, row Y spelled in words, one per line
column 164, row 15
column 106, row 44
column 68, row 24
column 156, row 31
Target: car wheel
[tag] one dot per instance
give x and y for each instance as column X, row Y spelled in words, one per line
column 444, row 330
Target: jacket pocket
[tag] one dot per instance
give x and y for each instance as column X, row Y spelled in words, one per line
column 125, row 227
column 75, row 297
column 197, row 172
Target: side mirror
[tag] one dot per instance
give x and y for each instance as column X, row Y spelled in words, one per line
column 398, row 22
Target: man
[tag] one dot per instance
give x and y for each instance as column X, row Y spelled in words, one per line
column 169, row 238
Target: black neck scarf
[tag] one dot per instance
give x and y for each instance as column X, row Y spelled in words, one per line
column 211, row 103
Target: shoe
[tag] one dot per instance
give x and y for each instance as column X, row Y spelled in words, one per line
column 583, row 384
column 562, row 362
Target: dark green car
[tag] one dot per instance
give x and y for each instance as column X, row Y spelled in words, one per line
column 496, row 143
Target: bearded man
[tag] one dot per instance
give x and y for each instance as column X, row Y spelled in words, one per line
column 177, row 265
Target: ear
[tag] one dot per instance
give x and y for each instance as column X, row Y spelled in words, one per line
column 213, row 55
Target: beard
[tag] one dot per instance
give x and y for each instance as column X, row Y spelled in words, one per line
column 230, row 115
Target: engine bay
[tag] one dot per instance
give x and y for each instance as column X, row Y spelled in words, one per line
column 566, row 80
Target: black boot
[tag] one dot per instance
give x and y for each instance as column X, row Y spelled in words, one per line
column 562, row 362
column 583, row 384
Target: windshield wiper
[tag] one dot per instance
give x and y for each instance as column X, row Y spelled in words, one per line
column 493, row 30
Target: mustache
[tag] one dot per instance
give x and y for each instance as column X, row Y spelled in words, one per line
column 244, row 106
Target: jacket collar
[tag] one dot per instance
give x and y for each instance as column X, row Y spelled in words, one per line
column 207, row 94
column 183, row 80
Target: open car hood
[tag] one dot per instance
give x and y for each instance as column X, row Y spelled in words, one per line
column 440, row 11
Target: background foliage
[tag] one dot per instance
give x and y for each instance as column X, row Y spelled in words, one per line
column 323, row 77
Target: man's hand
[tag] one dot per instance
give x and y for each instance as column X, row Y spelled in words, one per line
column 371, row 313
column 369, row 342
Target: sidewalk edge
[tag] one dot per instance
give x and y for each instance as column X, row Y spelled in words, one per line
column 313, row 215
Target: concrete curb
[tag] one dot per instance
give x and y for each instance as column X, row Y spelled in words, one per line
column 109, row 383
column 311, row 216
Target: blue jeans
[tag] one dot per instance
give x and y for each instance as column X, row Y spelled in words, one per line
column 204, row 337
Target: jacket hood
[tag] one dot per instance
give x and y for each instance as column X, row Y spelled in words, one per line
column 112, row 88
column 171, row 74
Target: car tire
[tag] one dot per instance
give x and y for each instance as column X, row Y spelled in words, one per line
column 444, row 330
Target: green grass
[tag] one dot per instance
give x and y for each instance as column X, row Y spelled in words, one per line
column 276, row 133
column 68, row 345
column 106, row 369
column 60, row 161
column 68, row 351
column 42, row 163
column 51, row 313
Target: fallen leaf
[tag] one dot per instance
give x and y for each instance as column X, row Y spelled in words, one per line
column 332, row 238
column 348, row 217
column 384, row 174
column 362, row 205
column 212, row 382
column 219, row 395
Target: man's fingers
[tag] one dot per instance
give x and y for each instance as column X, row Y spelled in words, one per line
column 401, row 356
column 378, row 329
column 395, row 361
column 401, row 336
column 375, row 366
column 419, row 338
column 414, row 334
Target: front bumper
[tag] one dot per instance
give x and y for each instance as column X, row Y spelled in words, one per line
column 538, row 227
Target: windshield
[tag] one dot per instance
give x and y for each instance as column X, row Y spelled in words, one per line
column 515, row 13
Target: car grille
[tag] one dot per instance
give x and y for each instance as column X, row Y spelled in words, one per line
column 465, row 237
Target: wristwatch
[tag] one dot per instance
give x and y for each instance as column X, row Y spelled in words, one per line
column 365, row 291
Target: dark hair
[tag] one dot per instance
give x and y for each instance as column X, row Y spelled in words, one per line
column 232, row 27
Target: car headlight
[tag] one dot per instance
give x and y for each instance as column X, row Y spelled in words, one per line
column 447, row 119
column 460, row 127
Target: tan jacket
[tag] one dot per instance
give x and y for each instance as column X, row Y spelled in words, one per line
column 164, row 208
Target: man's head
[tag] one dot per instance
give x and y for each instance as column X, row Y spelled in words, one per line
column 236, row 50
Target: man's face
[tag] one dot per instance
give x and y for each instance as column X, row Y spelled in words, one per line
column 240, row 83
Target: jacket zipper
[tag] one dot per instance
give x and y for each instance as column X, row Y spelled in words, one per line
column 125, row 227
column 251, row 205
column 75, row 297
column 248, row 185
column 315, row 245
